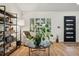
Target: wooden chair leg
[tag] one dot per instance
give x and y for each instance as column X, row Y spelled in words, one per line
column 29, row 51
column 48, row 51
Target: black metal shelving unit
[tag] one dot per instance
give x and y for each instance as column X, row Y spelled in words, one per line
column 5, row 40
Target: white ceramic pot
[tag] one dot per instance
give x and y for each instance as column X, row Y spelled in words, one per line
column 45, row 43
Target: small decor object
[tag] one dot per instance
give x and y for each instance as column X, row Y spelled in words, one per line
column 58, row 27
column 57, row 40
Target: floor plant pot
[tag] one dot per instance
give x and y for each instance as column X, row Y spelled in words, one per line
column 18, row 43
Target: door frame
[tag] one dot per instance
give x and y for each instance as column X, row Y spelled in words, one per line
column 74, row 30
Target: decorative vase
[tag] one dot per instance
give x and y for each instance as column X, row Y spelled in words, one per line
column 57, row 40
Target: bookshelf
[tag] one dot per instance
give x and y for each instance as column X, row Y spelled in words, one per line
column 8, row 35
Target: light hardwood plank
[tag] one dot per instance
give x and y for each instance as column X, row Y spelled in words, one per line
column 56, row 49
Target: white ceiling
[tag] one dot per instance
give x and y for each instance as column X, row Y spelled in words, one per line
column 46, row 6
column 49, row 7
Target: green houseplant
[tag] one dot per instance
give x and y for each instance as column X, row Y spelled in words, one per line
column 41, row 34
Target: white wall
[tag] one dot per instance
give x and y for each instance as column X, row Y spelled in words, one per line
column 57, row 19
column 13, row 8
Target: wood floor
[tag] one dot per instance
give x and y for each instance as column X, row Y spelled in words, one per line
column 56, row 49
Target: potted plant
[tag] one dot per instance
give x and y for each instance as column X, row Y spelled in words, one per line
column 42, row 36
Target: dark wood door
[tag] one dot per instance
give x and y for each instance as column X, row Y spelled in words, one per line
column 69, row 28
